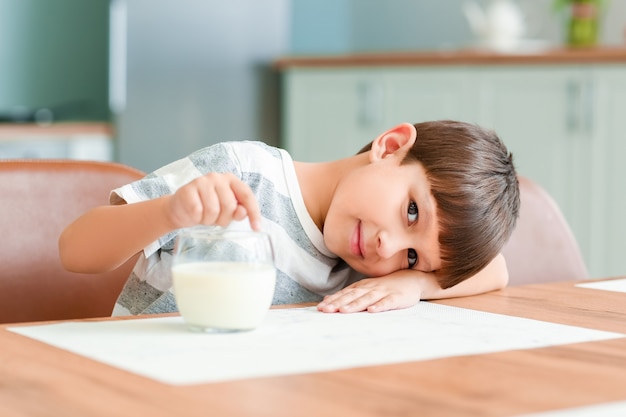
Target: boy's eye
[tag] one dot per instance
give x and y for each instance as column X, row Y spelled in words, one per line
column 412, row 212
column 412, row 258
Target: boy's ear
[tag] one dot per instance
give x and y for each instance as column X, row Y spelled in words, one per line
column 397, row 139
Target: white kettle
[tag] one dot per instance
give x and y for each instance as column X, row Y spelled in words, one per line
column 500, row 26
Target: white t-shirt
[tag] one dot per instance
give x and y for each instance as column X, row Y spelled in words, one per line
column 306, row 269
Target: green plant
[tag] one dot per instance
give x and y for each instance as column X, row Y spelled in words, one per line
column 583, row 20
column 562, row 4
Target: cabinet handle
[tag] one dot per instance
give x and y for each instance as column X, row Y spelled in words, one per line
column 370, row 103
column 589, row 99
column 573, row 106
column 118, row 39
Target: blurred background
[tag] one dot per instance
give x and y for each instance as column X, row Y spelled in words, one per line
column 145, row 82
column 180, row 74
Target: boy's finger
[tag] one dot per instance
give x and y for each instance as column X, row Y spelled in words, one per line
column 339, row 300
column 209, row 201
column 228, row 205
column 246, row 198
column 360, row 303
column 240, row 213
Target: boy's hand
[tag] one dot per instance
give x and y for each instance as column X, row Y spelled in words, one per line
column 397, row 290
column 213, row 199
column 406, row 287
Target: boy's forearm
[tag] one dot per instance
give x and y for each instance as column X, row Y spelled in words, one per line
column 107, row 236
column 494, row 276
column 405, row 288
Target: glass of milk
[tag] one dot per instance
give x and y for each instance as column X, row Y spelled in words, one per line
column 223, row 279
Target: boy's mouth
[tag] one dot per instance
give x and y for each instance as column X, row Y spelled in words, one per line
column 356, row 242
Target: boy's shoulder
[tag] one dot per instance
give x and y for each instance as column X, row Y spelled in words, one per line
column 253, row 146
column 222, row 155
column 237, row 148
column 256, row 153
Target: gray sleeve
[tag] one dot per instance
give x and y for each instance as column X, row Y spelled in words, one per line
column 166, row 180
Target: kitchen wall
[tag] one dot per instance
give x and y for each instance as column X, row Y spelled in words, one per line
column 53, row 53
column 340, row 26
column 56, row 51
column 197, row 72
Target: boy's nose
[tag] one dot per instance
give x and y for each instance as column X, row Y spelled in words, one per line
column 388, row 245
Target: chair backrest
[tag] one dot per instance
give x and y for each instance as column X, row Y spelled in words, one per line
column 542, row 247
column 38, row 199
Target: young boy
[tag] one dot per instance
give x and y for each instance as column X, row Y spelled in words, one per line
column 422, row 211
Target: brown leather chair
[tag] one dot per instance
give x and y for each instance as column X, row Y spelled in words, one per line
column 542, row 247
column 39, row 198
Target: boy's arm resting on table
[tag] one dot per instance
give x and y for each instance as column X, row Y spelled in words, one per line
column 494, row 276
column 406, row 288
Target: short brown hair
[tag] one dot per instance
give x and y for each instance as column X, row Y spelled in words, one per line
column 474, row 183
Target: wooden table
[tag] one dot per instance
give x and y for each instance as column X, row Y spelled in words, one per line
column 39, row 380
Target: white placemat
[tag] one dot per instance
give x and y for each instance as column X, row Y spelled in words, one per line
column 612, row 409
column 618, row 285
column 301, row 340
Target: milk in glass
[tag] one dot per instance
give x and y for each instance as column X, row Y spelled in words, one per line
column 224, row 295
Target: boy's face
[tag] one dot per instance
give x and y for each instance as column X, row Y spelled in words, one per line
column 382, row 218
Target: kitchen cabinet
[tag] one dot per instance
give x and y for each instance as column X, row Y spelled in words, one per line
column 545, row 116
column 86, row 141
column 561, row 121
column 564, row 127
column 330, row 113
column 607, row 248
